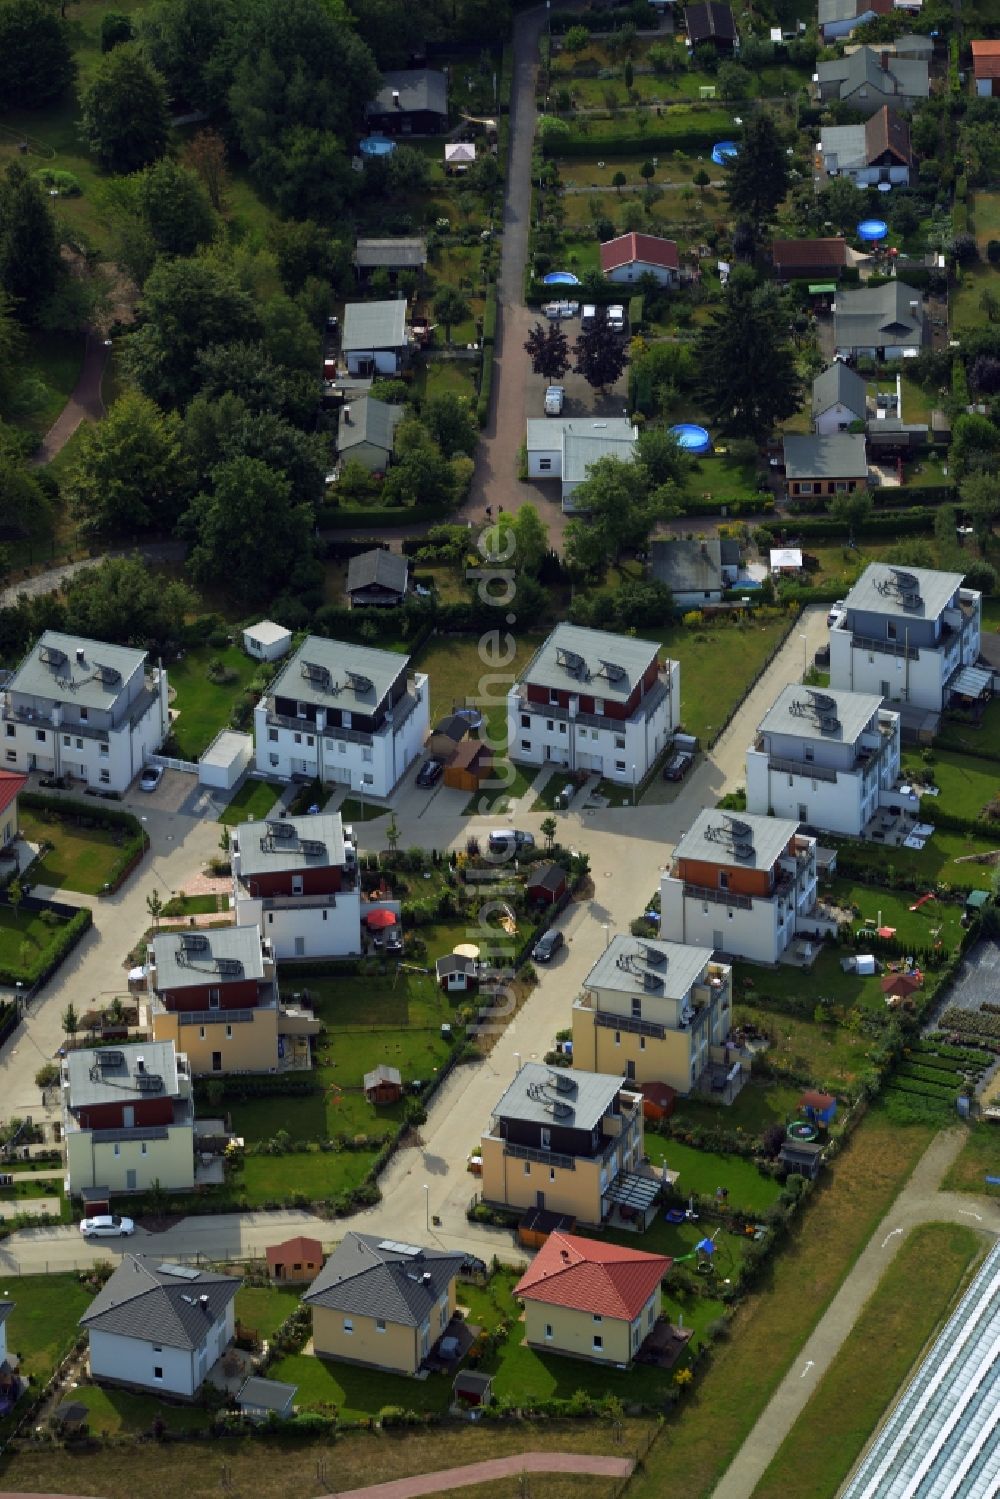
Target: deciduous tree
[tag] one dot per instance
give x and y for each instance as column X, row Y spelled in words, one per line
column 30, row 268
column 124, row 112
column 36, row 61
column 122, row 601
column 205, row 155
column 128, row 475
column 616, row 515
column 250, row 538
column 450, row 307
column 451, row 423
column 548, row 350
column 601, row 355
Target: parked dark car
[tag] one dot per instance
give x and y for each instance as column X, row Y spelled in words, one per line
column 678, row 766
column 547, row 946
column 430, row 772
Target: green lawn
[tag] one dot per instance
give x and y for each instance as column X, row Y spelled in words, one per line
column 43, row 1325
column 986, row 214
column 717, row 662
column 253, row 800
column 352, row 810
column 935, row 921
column 967, row 784
column 465, row 672
column 264, row 1308
column 113, row 1411
column 49, row 371
column 204, row 707
column 832, row 1056
column 912, row 1299
column 435, row 377
column 191, row 905
column 826, row 980
column 356, row 1392
column 978, row 1159
column 948, row 858
column 966, row 314
column 317, row 1175
column 702, row 1171
column 759, row 1104
column 81, row 858
column 770, row 1327
column 24, row 937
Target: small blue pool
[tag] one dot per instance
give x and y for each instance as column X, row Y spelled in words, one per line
column 691, row 438
column 724, row 151
column 377, row 145
column 561, row 278
column 873, row 229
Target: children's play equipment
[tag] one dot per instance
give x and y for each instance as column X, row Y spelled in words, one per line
column 923, row 901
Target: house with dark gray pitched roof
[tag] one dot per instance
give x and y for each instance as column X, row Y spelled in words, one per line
column 160, row 1326
column 377, row 577
column 413, row 101
column 382, row 1302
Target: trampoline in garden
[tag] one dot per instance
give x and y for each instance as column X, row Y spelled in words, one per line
column 692, row 438
column 560, row 278
column 872, row 229
column 472, row 716
column 801, row 1129
column 724, row 151
column 377, row 145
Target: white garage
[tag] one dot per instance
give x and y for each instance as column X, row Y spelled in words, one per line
column 225, row 760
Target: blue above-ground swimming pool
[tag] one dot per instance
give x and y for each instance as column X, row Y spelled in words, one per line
column 724, row 151
column 691, row 438
column 377, row 145
column 873, row 229
column 561, row 278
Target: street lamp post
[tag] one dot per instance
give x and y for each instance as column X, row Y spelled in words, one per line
column 805, row 655
column 427, row 1206
column 633, row 785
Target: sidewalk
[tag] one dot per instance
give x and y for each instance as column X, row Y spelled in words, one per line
column 492, row 1469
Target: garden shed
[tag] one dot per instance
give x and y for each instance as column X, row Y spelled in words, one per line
column 456, row 973
column 384, row 1084
column 473, row 1389
column 820, row 1108
column 225, row 761
column 546, row 883
column 470, row 766
column 300, row 1258
column 260, row 1398
column 267, row 641
column 658, row 1100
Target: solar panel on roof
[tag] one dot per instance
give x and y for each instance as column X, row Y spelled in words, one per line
column 108, row 1060
column 148, row 1082
column 392, row 1246
column 183, row 1272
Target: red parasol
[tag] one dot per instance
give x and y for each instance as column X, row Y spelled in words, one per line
column 379, row 919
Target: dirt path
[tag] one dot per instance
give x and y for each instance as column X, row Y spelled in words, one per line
column 492, row 1469
column 921, row 1201
column 84, row 405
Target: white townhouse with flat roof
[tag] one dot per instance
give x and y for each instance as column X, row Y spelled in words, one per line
column 909, row 634
column 85, row 710
column 741, row 884
column 342, row 713
column 297, row 879
column 825, row 757
column 588, row 700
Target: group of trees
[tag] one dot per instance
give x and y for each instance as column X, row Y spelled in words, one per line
column 600, row 353
column 620, row 502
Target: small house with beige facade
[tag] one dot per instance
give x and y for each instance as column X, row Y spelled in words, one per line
column 653, row 1011
column 591, row 1300
column 382, row 1303
column 570, row 1143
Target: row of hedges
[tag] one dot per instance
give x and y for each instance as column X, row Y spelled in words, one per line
column 374, row 516
column 66, row 809
column 898, row 523
column 239, row 1087
column 658, row 139
column 64, row 939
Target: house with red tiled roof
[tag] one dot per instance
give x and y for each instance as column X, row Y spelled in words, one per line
column 591, row 1300
column 809, row 257
column 633, row 255
column 12, row 783
column 986, row 68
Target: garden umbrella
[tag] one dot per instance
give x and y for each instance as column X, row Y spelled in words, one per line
column 380, row 918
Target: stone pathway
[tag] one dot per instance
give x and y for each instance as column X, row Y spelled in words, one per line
column 35, row 1206
column 84, row 405
column 492, row 1469
column 921, row 1201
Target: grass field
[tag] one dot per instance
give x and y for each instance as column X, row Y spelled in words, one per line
column 978, row 1158
column 466, row 672
column 43, row 1325
column 831, row 1055
column 948, row 858
column 912, row 1298
column 123, row 1411
column 49, row 370
column 825, row 980
column 204, row 707
column 254, row 799
column 718, row 661
column 80, row 858
column 935, row 921
column 24, row 938
column 264, row 1308
column 317, row 1175
column 771, row 1326
column 967, row 784
column 191, row 905
column 195, row 1471
column 757, row 1105
column 702, row 1171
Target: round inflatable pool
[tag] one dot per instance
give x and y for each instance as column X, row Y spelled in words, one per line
column 377, row 145
column 724, row 151
column 873, row 229
column 561, row 278
column 691, row 438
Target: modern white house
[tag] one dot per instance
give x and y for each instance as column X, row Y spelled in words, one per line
column 374, row 339
column 595, row 702
column 876, row 152
column 826, row 757
column 347, row 714
column 158, row 1326
column 267, row 641
column 655, row 1011
column 743, row 885
column 839, row 397
column 297, row 879
column 128, row 1118
column 911, row 635
column 565, row 448
column 84, row 710
column 630, row 256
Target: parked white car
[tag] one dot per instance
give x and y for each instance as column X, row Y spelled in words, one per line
column 554, row 397
column 107, row 1226
column 555, row 310
column 616, row 318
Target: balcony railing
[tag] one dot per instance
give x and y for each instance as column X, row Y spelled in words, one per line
column 630, row 1024
column 720, row 897
column 885, row 647
column 306, row 726
column 543, row 1157
column 801, row 768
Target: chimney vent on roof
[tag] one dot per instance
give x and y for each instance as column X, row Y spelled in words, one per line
column 395, row 99
column 81, row 654
column 140, row 1064
column 204, row 1301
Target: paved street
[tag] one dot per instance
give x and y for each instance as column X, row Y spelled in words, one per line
column 185, row 835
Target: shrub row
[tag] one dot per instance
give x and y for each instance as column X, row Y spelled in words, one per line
column 64, row 939
column 271, row 1085
column 652, row 141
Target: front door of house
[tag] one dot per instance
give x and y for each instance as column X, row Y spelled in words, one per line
column 540, row 1201
column 128, row 1116
column 216, row 1061
column 717, row 939
column 130, row 1182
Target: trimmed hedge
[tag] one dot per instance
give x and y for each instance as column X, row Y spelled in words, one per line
column 485, row 386
column 375, row 516
column 65, row 809
column 253, row 1085
column 64, row 940
column 649, row 144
